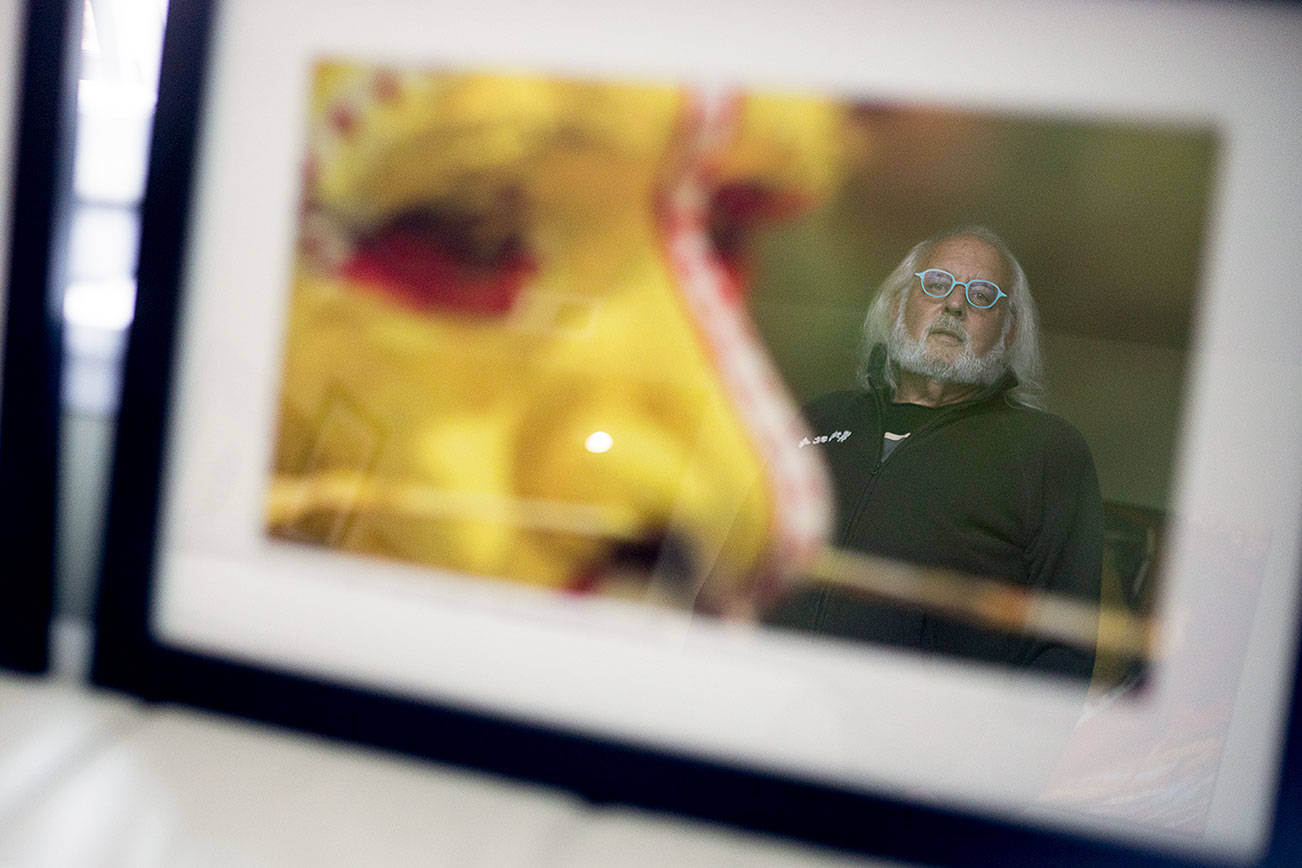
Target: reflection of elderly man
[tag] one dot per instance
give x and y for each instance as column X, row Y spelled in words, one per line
column 943, row 461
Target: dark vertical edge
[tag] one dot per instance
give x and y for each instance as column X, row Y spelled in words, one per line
column 29, row 400
column 122, row 641
column 1285, row 845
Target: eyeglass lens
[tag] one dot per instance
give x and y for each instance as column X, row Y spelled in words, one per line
column 938, row 284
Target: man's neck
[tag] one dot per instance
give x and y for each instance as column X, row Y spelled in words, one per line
column 917, row 389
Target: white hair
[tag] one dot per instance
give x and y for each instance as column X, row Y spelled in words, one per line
column 1022, row 356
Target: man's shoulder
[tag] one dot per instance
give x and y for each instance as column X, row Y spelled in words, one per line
column 1041, row 427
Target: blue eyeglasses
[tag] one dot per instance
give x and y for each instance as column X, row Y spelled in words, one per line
column 938, row 283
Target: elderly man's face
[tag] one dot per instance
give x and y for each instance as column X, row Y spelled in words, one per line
column 948, row 338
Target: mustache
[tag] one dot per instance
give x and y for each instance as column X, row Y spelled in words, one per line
column 948, row 324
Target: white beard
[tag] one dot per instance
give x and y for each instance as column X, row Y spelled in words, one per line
column 966, row 369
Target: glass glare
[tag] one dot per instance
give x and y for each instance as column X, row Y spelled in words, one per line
column 938, row 283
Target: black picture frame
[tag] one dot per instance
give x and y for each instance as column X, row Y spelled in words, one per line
column 29, row 401
column 130, row 656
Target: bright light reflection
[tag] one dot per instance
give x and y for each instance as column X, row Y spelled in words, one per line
column 599, row 441
column 103, row 304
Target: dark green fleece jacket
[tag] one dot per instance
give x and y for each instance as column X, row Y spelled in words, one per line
column 986, row 487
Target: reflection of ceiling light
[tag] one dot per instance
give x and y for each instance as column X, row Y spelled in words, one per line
column 599, row 441
column 89, row 32
column 114, row 99
column 112, row 142
column 104, row 304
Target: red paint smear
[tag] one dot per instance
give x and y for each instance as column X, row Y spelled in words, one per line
column 420, row 275
column 749, row 203
column 386, row 87
column 343, row 120
column 584, row 582
column 736, row 270
column 735, row 211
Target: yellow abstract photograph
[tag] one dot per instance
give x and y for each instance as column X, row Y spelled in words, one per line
column 894, row 373
column 518, row 344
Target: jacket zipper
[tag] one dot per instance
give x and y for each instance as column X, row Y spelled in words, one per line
column 939, row 421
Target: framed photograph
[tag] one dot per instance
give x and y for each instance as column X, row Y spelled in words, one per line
column 854, row 424
column 36, row 104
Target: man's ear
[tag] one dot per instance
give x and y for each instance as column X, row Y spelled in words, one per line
column 1012, row 329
